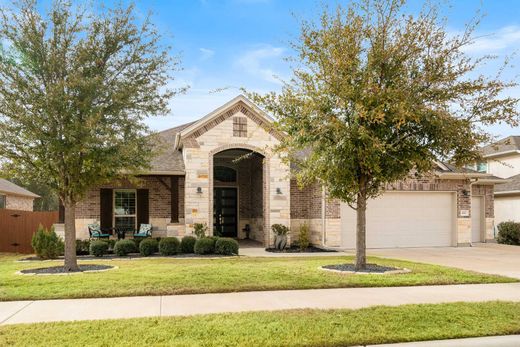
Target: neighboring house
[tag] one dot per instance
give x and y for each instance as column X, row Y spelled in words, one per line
column 502, row 159
column 221, row 170
column 13, row 197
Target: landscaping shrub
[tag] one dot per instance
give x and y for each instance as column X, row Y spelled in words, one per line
column 169, row 246
column 46, row 243
column 148, row 247
column 303, row 236
column 206, row 245
column 123, row 247
column 226, row 246
column 98, row 248
column 137, row 241
column 82, row 247
column 199, row 229
column 188, row 244
column 111, row 244
column 509, row 233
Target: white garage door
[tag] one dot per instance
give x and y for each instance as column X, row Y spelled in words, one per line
column 399, row 219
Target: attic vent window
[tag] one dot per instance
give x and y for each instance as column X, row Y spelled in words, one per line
column 240, row 126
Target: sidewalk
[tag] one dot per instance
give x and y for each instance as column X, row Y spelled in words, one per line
column 13, row 312
column 489, row 341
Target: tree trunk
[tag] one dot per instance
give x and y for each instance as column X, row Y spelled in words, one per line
column 361, row 257
column 71, row 263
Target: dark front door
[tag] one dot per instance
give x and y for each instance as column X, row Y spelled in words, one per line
column 225, row 212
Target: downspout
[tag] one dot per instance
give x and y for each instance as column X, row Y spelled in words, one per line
column 323, row 217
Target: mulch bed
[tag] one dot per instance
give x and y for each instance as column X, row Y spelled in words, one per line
column 54, row 270
column 370, row 268
column 295, row 249
column 132, row 256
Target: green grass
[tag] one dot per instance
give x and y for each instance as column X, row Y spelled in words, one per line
column 283, row 328
column 189, row 276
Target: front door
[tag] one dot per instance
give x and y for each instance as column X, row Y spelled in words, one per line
column 225, row 212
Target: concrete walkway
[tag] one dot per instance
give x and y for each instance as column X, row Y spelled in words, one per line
column 184, row 305
column 488, row 341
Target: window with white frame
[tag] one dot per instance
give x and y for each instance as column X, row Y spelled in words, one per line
column 125, row 209
column 482, row 166
column 2, row 201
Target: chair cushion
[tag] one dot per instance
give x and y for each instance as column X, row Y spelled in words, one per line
column 95, row 229
column 145, row 229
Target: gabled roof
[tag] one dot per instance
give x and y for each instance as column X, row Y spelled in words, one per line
column 207, row 119
column 168, row 159
column 508, row 145
column 9, row 188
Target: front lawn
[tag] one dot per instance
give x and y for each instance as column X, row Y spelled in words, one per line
column 190, row 276
column 283, row 328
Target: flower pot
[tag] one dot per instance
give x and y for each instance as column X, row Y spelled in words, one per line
column 280, row 242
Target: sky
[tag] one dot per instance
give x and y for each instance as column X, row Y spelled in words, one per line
column 225, row 45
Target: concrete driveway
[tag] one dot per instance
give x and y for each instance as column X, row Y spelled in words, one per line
column 488, row 258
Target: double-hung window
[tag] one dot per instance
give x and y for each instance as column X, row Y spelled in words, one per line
column 125, row 202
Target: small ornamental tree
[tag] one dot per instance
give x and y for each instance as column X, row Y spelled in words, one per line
column 377, row 95
column 75, row 86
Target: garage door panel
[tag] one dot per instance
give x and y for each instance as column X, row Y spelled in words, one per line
column 401, row 219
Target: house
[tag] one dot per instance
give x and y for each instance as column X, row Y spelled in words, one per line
column 13, row 197
column 221, row 170
column 502, row 159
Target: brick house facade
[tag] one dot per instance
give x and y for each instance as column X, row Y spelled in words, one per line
column 221, row 171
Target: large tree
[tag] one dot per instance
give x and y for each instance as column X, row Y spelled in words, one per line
column 377, row 95
column 75, row 86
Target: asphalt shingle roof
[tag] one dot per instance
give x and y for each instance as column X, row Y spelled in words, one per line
column 510, row 143
column 7, row 187
column 166, row 158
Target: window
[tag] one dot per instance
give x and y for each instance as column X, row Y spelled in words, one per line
column 2, row 201
column 125, row 209
column 482, row 166
column 224, row 174
column 240, row 126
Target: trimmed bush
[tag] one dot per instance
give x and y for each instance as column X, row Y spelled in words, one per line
column 148, row 247
column 303, row 236
column 98, row 248
column 124, row 247
column 169, row 246
column 226, row 246
column 82, row 247
column 509, row 233
column 46, row 243
column 188, row 244
column 205, row 245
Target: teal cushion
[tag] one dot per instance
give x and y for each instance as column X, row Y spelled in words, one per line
column 95, row 229
column 145, row 229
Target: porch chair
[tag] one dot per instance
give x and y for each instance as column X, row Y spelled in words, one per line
column 145, row 230
column 95, row 232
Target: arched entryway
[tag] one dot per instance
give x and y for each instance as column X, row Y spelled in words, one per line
column 238, row 188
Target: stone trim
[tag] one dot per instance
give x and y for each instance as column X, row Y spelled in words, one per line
column 191, row 142
column 265, row 179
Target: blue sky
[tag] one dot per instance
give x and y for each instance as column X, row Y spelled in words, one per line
column 241, row 43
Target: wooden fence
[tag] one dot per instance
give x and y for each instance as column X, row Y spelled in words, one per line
column 18, row 227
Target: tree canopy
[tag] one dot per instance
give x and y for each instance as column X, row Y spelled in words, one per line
column 76, row 84
column 378, row 94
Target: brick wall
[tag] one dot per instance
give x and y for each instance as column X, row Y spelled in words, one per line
column 159, row 196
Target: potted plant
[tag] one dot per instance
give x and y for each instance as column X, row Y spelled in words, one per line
column 280, row 236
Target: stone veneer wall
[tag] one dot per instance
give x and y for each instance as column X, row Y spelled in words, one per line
column 20, row 203
column 88, row 210
column 216, row 136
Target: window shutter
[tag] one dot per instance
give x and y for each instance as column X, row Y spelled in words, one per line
column 174, row 190
column 106, row 208
column 142, row 207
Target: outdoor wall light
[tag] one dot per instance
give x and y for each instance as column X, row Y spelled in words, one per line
column 199, row 190
column 278, row 190
column 465, row 192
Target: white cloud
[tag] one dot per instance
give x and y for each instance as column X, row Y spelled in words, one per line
column 260, row 62
column 505, row 38
column 206, row 53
